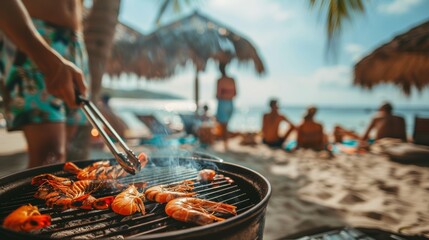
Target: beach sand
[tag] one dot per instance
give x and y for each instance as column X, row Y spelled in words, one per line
column 310, row 190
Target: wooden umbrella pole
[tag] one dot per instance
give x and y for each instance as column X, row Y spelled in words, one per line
column 197, row 90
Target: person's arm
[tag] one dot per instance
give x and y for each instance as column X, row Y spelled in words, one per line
column 61, row 76
column 218, row 91
column 292, row 126
column 235, row 87
column 264, row 125
column 299, row 139
column 368, row 130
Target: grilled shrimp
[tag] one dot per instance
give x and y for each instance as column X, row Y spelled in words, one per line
column 71, row 199
column 46, row 177
column 89, row 202
column 165, row 193
column 101, row 169
column 129, row 201
column 206, row 175
column 198, row 211
column 68, row 194
column 26, row 218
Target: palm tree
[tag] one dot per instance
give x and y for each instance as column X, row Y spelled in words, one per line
column 337, row 11
column 99, row 32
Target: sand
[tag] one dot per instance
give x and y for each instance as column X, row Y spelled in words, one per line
column 312, row 190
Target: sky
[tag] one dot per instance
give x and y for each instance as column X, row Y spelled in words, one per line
column 291, row 39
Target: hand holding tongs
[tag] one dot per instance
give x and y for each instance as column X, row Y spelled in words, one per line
column 128, row 161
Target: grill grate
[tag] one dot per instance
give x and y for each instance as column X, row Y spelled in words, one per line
column 78, row 223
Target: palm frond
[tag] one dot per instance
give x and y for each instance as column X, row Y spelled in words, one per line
column 336, row 12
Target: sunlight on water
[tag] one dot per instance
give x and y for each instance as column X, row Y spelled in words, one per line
column 250, row 118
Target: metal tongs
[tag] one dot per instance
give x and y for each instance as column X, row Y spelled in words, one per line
column 128, row 161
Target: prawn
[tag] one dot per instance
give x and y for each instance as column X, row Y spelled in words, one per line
column 69, row 194
column 67, row 199
column 46, row 177
column 129, row 201
column 206, row 175
column 198, row 211
column 26, row 218
column 101, row 169
column 165, row 193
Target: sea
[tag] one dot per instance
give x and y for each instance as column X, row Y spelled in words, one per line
column 249, row 118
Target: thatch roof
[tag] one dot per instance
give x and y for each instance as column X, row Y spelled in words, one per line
column 404, row 62
column 195, row 38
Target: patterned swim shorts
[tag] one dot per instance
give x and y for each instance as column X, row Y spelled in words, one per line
column 22, row 85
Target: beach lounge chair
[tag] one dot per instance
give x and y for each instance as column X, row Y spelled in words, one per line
column 421, row 131
column 162, row 135
column 416, row 152
column 189, row 122
column 156, row 127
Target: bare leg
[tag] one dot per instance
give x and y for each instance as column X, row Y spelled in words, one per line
column 224, row 127
column 46, row 143
column 340, row 133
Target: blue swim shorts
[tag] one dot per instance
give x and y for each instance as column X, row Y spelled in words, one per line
column 225, row 109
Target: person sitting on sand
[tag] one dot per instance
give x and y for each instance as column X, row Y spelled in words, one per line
column 205, row 127
column 270, row 126
column 310, row 133
column 340, row 133
column 386, row 125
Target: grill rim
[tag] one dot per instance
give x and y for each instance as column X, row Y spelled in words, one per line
column 192, row 232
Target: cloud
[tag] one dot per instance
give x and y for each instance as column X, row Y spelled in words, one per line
column 253, row 10
column 331, row 77
column 397, row 6
column 355, row 51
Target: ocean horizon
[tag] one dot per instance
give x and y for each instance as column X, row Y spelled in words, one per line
column 249, row 118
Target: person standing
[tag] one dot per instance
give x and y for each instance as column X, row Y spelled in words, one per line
column 270, row 126
column 225, row 94
column 42, row 65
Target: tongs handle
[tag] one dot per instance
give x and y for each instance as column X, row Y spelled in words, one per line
column 128, row 161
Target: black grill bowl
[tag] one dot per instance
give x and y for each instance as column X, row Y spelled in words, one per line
column 250, row 192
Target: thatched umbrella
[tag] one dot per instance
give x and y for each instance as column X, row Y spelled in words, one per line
column 195, row 39
column 404, row 62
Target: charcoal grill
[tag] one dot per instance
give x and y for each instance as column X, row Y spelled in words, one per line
column 249, row 192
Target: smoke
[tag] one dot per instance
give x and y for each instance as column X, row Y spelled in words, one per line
column 173, row 159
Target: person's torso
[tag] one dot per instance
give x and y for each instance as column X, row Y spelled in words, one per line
column 310, row 129
column 65, row 13
column 226, row 88
column 390, row 127
column 310, row 135
column 271, row 129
